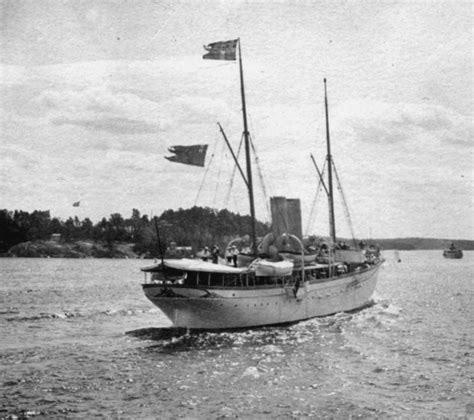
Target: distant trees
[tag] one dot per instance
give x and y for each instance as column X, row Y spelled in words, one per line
column 11, row 232
column 196, row 227
column 19, row 226
column 201, row 226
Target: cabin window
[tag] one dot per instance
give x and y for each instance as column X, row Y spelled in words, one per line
column 191, row 278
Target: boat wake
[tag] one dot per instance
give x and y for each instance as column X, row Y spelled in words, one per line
column 382, row 315
column 182, row 340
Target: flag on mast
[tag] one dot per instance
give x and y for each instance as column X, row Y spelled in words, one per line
column 76, row 204
column 189, row 155
column 222, row 50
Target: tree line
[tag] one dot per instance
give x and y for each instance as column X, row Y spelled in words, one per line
column 196, row 227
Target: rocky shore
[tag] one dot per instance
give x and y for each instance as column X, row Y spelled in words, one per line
column 76, row 249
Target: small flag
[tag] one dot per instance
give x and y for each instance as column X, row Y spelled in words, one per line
column 222, row 50
column 76, row 204
column 189, row 155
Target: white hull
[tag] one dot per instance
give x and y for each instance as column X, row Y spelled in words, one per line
column 225, row 308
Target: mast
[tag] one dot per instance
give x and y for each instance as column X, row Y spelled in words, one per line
column 247, row 157
column 160, row 248
column 332, row 224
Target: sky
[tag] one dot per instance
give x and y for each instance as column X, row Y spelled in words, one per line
column 95, row 92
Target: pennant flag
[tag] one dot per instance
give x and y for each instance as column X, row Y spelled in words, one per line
column 222, row 50
column 189, row 155
column 76, row 204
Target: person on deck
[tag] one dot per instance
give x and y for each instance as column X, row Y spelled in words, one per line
column 228, row 255
column 171, row 251
column 235, row 253
column 205, row 255
column 215, row 254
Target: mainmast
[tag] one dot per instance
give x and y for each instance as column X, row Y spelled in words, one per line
column 247, row 157
column 332, row 224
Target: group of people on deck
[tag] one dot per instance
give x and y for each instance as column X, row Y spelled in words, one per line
column 207, row 254
column 214, row 253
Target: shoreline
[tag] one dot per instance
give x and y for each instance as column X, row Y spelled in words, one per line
column 125, row 250
column 73, row 249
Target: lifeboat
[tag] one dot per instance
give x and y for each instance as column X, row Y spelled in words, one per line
column 298, row 258
column 273, row 268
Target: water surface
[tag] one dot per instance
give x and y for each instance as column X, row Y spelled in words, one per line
column 80, row 340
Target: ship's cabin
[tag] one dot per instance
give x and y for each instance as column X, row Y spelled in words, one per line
column 244, row 278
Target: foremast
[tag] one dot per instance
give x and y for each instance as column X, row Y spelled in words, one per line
column 246, row 134
column 227, row 50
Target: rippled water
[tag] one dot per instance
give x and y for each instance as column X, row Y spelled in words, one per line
column 78, row 339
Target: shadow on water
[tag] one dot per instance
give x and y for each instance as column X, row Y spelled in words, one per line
column 157, row 334
column 369, row 304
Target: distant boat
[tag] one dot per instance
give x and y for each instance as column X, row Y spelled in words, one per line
column 452, row 252
column 275, row 282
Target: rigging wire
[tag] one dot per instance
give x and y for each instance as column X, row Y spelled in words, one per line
column 312, row 213
column 346, row 207
column 206, row 172
column 234, row 170
column 262, row 179
column 214, row 203
column 266, row 186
